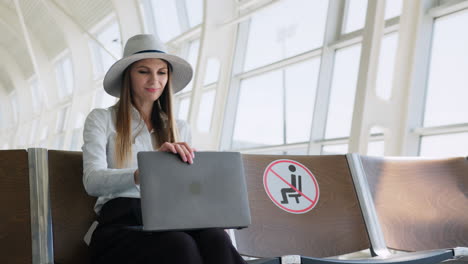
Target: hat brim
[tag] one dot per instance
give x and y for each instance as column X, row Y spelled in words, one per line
column 182, row 72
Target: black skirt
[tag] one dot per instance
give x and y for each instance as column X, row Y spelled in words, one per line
column 118, row 240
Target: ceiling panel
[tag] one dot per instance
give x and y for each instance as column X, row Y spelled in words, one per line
column 87, row 13
column 43, row 28
column 12, row 41
column 42, row 25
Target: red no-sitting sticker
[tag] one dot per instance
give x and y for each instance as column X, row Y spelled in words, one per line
column 291, row 186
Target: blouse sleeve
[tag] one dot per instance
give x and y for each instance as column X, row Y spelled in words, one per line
column 98, row 179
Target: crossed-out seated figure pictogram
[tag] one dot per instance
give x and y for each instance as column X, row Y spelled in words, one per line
column 297, row 185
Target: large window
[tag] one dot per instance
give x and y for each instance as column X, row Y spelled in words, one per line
column 334, row 149
column 170, row 18
column 447, row 92
column 375, row 148
column 208, row 98
column 61, row 119
column 259, row 120
column 36, row 94
column 276, row 107
column 207, row 103
column 393, row 8
column 285, row 29
column 103, row 100
column 108, row 49
column 192, row 57
column 59, row 141
column 183, row 109
column 64, row 76
column 355, row 15
column 313, row 111
column 190, row 53
column 194, row 11
column 287, row 85
column 77, row 132
column 76, row 140
column 343, row 89
column 445, row 145
column 386, row 66
column 167, row 19
column 277, row 70
column 206, row 110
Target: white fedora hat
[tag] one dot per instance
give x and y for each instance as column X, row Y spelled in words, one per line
column 141, row 47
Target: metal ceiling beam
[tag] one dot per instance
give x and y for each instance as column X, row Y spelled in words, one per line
column 47, row 4
column 27, row 40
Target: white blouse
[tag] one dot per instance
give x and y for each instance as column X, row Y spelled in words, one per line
column 101, row 178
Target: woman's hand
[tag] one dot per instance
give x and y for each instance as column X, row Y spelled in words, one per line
column 186, row 153
column 136, row 177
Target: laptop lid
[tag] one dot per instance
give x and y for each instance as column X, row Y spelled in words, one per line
column 209, row 193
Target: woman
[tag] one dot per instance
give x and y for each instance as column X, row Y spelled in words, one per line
column 142, row 120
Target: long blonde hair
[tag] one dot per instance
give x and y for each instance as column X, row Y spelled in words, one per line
column 162, row 119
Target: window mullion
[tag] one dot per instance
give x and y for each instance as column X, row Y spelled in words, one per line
column 234, row 89
column 418, row 88
column 333, row 27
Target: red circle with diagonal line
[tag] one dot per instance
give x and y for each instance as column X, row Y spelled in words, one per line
column 291, row 186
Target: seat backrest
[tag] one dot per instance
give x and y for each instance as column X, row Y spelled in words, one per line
column 333, row 227
column 15, row 213
column 422, row 203
column 71, row 207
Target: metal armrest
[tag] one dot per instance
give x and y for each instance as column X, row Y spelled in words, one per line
column 421, row 257
column 264, row 261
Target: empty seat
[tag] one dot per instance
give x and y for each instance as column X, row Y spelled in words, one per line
column 333, row 227
column 421, row 203
column 71, row 207
column 336, row 224
column 15, row 214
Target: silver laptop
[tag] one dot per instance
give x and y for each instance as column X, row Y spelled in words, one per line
column 176, row 195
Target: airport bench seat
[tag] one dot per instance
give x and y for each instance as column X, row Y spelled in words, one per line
column 422, row 203
column 50, row 229
column 71, row 207
column 15, row 216
column 343, row 220
column 45, row 209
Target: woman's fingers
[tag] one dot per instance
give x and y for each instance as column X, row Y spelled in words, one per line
column 191, row 150
column 186, row 153
column 168, row 147
column 136, row 177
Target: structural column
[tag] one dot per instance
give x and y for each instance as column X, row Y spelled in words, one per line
column 217, row 42
column 371, row 110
